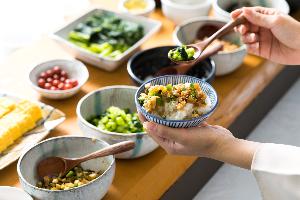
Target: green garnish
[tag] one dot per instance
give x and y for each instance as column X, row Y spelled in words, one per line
column 118, row 120
column 182, row 53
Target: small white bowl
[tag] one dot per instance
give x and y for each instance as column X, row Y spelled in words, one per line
column 181, row 10
column 146, row 12
column 74, row 68
column 226, row 62
column 220, row 6
column 10, row 193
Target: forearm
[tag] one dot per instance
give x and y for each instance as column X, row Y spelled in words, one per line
column 235, row 151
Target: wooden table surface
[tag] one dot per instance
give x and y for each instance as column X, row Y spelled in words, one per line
column 150, row 176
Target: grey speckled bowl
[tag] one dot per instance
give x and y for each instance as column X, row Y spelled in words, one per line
column 67, row 146
column 97, row 102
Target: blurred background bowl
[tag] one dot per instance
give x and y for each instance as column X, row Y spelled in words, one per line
column 181, row 10
column 74, row 68
column 197, row 28
column 96, row 102
column 150, row 5
column 70, row 147
column 174, row 80
column 143, row 65
column 222, row 8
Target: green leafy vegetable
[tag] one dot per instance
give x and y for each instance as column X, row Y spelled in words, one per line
column 106, row 34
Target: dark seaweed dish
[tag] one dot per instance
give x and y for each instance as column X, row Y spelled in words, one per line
column 106, row 34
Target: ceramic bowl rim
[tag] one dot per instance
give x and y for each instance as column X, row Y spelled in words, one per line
column 204, row 19
column 172, row 120
column 132, row 75
column 223, row 12
column 85, row 122
column 77, row 62
column 57, row 138
column 186, row 7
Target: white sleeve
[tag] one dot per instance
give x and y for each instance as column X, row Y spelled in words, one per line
column 276, row 168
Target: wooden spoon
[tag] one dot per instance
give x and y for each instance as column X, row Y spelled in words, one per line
column 53, row 166
column 201, row 46
column 185, row 67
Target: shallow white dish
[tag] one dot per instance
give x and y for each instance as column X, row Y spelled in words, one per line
column 220, row 6
column 149, row 9
column 74, row 68
column 181, row 10
column 226, row 62
column 108, row 64
column 52, row 117
column 13, row 193
column 97, row 102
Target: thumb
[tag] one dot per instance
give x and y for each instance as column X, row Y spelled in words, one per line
column 257, row 18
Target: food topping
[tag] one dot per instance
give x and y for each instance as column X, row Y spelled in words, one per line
column 74, row 178
column 182, row 53
column 106, row 34
column 177, row 102
column 56, row 79
column 118, row 120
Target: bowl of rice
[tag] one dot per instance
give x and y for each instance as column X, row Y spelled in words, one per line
column 177, row 101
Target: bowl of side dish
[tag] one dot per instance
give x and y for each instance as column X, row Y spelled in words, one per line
column 105, row 38
column 223, row 8
column 227, row 60
column 75, row 184
column 144, row 65
column 58, row 79
column 177, row 101
column 109, row 114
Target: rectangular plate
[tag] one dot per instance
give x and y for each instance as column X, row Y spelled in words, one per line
column 61, row 36
column 51, row 118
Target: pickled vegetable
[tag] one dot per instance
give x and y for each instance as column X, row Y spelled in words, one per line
column 74, row 178
column 118, row 120
column 106, row 34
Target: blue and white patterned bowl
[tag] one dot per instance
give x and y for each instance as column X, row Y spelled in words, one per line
column 176, row 79
column 97, row 102
column 70, row 147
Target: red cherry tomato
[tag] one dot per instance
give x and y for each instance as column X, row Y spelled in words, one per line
column 62, row 79
column 55, row 76
column 68, row 81
column 49, row 72
column 49, row 80
column 55, row 82
column 61, row 86
column 56, row 69
column 43, row 75
column 74, row 82
column 64, row 74
column 53, row 88
column 41, row 82
column 68, row 86
column 47, row 86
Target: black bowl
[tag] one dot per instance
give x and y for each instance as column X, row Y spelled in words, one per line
column 143, row 65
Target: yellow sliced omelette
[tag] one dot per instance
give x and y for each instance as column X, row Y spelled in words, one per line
column 17, row 121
